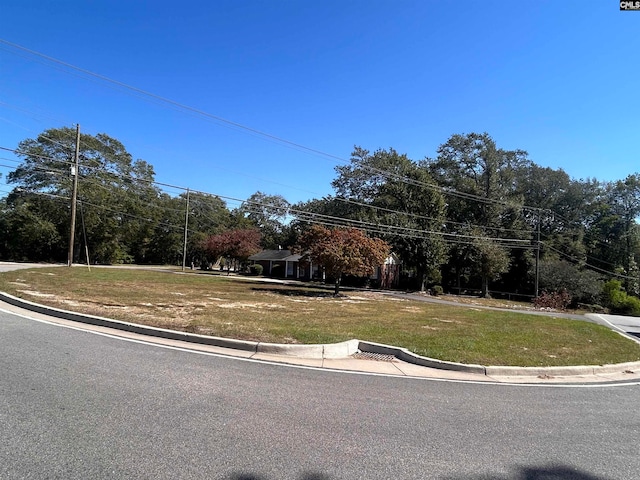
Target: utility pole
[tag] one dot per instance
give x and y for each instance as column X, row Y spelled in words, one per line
column 74, row 196
column 186, row 226
column 538, row 252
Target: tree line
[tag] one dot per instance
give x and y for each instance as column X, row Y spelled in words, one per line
column 476, row 218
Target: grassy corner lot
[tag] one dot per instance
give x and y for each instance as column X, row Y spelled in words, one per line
column 242, row 309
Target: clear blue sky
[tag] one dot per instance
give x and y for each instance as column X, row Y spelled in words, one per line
column 558, row 79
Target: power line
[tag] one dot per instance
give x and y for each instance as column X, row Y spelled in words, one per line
column 592, row 267
column 271, row 137
column 348, row 201
column 171, row 102
column 383, row 229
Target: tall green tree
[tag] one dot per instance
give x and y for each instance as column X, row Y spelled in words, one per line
column 26, row 232
column 613, row 235
column 270, row 214
column 391, row 190
column 207, row 215
column 115, row 191
column 483, row 203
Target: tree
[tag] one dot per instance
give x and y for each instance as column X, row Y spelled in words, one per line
column 583, row 286
column 26, row 234
column 237, row 245
column 389, row 189
column 116, row 193
column 483, row 258
column 613, row 235
column 343, row 251
column 486, row 203
column 269, row 213
column 484, row 174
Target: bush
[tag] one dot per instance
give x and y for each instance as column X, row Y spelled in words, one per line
column 556, row 300
column 256, row 269
column 437, row 290
column 630, row 306
column 617, row 300
column 583, row 286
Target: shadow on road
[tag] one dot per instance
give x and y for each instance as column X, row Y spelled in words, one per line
column 555, row 472
column 304, row 476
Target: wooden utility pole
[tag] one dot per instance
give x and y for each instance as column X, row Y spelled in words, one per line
column 74, row 196
column 186, row 226
column 538, row 252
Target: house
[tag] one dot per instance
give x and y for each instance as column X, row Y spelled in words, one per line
column 387, row 275
column 282, row 263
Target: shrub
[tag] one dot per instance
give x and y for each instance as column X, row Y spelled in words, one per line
column 617, row 300
column 631, row 306
column 255, row 269
column 437, row 290
column 556, row 300
column 583, row 286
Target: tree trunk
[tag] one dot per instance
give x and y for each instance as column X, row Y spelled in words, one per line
column 485, row 287
column 336, row 290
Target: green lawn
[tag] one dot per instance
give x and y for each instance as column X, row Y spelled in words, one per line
column 228, row 307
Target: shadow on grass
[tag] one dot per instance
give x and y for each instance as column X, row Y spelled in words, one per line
column 295, row 292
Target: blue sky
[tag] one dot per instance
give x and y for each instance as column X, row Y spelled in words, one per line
column 558, row 79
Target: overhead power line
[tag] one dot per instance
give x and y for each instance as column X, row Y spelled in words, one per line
column 591, row 267
column 169, row 101
column 268, row 136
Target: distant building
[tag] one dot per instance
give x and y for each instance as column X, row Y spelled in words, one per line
column 387, row 275
column 284, row 264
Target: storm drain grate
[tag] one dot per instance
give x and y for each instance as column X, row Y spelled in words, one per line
column 379, row 357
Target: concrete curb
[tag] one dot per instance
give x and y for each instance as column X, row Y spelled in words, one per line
column 409, row 357
column 332, row 350
column 319, row 351
column 336, row 350
column 128, row 327
column 564, row 371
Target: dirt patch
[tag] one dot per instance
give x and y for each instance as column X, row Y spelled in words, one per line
column 36, row 294
column 249, row 305
column 413, row 309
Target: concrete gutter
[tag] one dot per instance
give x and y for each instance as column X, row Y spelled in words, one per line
column 319, row 351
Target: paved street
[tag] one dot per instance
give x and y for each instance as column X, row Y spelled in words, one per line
column 75, row 404
column 630, row 325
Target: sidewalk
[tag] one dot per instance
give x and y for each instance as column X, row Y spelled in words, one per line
column 332, row 357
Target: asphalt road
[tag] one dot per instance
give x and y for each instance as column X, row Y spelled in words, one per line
column 78, row 405
column 629, row 325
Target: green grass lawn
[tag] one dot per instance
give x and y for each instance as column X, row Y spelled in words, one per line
column 242, row 309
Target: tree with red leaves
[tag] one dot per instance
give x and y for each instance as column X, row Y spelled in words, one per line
column 343, row 251
column 238, row 244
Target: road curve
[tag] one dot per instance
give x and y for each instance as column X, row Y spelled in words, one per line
column 77, row 405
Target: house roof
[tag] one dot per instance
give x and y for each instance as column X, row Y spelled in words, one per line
column 273, row 255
